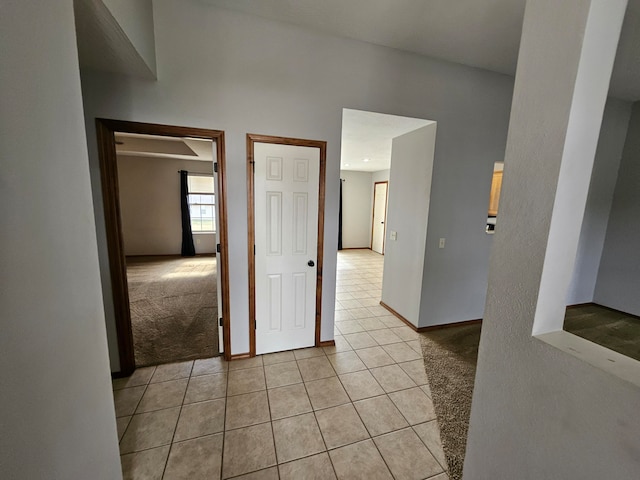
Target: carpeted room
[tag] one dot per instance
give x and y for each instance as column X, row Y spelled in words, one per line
column 173, row 298
column 173, row 306
column 451, row 355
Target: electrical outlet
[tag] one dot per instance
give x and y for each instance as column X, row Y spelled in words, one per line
column 394, row 235
column 197, row 241
column 441, row 244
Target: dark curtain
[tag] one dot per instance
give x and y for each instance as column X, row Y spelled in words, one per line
column 340, row 220
column 188, row 249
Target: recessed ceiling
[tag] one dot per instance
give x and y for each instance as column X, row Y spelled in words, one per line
column 367, row 136
column 478, row 33
column 137, row 145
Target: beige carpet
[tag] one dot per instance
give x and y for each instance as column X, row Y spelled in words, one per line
column 173, row 304
column 450, row 357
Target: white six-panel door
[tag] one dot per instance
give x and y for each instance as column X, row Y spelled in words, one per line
column 379, row 216
column 286, row 185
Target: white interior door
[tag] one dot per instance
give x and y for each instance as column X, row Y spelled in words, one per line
column 286, row 186
column 379, row 217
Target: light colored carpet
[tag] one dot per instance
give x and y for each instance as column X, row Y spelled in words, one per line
column 173, row 303
column 450, row 357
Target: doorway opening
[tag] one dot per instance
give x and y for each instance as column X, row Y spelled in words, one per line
column 286, row 194
column 366, row 171
column 164, row 187
column 379, row 216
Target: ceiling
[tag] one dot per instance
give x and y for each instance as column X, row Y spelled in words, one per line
column 366, row 138
column 156, row 146
column 478, row 33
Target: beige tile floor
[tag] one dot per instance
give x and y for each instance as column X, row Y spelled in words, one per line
column 361, row 409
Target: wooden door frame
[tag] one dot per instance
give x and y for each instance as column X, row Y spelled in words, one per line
column 252, row 139
column 373, row 214
column 105, row 129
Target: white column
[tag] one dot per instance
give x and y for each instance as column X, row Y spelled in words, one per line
column 590, row 90
column 57, row 416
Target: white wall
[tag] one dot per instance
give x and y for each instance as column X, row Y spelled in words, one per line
column 57, row 418
column 277, row 79
column 136, row 19
column 408, row 205
column 380, row 176
column 149, row 190
column 455, row 281
column 357, row 206
column 601, row 188
column 618, row 284
column 356, row 209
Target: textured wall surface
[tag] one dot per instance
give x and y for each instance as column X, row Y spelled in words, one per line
column 538, row 412
column 57, row 418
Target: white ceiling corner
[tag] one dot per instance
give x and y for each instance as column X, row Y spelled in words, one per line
column 368, row 135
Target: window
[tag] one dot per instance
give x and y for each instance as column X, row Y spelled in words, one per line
column 202, row 203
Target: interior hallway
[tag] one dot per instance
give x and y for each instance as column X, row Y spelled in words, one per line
column 361, row 409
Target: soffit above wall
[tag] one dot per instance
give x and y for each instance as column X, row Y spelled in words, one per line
column 479, row 33
column 102, row 43
column 137, row 145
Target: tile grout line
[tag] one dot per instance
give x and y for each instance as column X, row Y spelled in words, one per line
column 273, row 434
column 224, row 421
column 313, row 410
column 133, row 414
column 444, row 468
column 175, row 429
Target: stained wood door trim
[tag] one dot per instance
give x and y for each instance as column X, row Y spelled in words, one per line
column 373, row 214
column 322, row 145
column 106, row 129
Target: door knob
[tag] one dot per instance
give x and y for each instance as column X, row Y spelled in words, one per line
column 311, row 263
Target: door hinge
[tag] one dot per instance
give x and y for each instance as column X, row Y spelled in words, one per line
column 255, row 324
column 221, row 322
column 218, row 248
column 254, row 249
column 215, row 167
